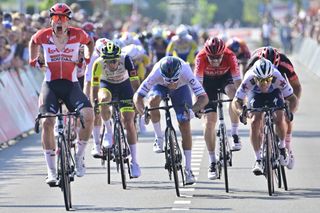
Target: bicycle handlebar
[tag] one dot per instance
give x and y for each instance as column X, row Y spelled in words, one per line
column 110, row 103
column 221, row 101
column 76, row 113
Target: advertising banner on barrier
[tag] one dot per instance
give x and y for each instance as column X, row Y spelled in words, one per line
column 17, row 107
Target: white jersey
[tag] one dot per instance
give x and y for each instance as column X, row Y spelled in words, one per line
column 248, row 84
column 186, row 78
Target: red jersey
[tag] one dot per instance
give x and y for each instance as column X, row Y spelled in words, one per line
column 229, row 63
column 60, row 64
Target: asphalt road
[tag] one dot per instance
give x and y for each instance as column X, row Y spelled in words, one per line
column 22, row 175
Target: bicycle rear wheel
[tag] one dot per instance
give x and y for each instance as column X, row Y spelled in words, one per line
column 172, row 139
column 118, row 137
column 64, row 172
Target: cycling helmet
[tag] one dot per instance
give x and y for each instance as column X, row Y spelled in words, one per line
column 233, row 45
column 60, row 9
column 263, row 68
column 214, row 46
column 100, row 44
column 182, row 31
column 170, row 67
column 271, row 54
column 110, row 51
column 88, row 27
column 134, row 51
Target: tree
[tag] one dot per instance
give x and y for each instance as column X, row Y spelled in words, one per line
column 204, row 14
column 250, row 11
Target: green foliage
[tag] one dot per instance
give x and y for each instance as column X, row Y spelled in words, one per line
column 45, row 5
column 204, row 13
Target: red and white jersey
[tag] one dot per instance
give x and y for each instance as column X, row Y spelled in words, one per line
column 61, row 64
column 229, row 63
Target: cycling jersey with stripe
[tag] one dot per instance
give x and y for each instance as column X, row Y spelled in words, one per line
column 60, row 64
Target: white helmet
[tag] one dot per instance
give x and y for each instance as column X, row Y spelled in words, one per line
column 100, row 43
column 182, row 31
column 134, row 51
column 263, row 68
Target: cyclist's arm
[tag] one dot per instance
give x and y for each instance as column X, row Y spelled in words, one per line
column 133, row 74
column 170, row 49
column 237, row 105
column 34, row 50
column 191, row 55
column 138, row 102
column 296, row 87
column 293, row 102
column 95, row 79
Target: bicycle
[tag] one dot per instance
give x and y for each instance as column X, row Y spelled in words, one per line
column 173, row 155
column 120, row 151
column 224, row 156
column 272, row 169
column 65, row 161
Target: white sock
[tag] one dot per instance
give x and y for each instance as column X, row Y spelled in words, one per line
column 282, row 144
column 133, row 150
column 212, row 157
column 157, row 130
column 258, row 154
column 50, row 156
column 96, row 135
column 234, row 128
column 108, row 125
column 81, row 148
column 288, row 141
column 187, row 155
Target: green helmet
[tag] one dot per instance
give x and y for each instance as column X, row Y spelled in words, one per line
column 110, row 51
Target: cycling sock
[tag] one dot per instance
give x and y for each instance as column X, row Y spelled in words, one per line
column 96, row 135
column 81, row 148
column 282, row 144
column 212, row 157
column 234, row 128
column 288, row 141
column 50, row 156
column 108, row 125
column 187, row 155
column 258, row 154
column 157, row 129
column 133, row 150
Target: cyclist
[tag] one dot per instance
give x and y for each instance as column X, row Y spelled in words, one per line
column 265, row 86
column 240, row 49
column 114, row 73
column 96, row 150
column 217, row 68
column 182, row 45
column 141, row 61
column 285, row 67
column 172, row 75
column 61, row 45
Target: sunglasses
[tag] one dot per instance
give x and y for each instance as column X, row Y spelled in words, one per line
column 267, row 80
column 112, row 61
column 171, row 80
column 215, row 58
column 56, row 18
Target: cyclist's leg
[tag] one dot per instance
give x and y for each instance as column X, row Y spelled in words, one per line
column 74, row 98
column 155, row 97
column 48, row 105
column 105, row 95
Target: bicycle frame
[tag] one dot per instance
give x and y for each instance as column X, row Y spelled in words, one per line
column 225, row 153
column 173, row 155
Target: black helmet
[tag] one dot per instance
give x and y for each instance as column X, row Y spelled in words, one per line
column 170, row 67
column 110, row 51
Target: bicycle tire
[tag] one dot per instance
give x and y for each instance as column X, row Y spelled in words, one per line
column 65, row 179
column 172, row 139
column 118, row 137
column 284, row 178
column 224, row 155
column 268, row 163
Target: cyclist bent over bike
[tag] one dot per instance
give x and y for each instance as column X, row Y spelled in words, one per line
column 61, row 45
column 116, row 76
column 172, row 75
column 265, row 86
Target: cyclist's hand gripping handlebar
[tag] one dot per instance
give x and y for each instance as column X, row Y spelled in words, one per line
column 96, row 106
column 36, row 125
column 78, row 114
column 146, row 115
column 243, row 115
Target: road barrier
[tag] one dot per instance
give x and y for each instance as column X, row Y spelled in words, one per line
column 19, row 91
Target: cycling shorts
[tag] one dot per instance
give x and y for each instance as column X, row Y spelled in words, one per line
column 120, row 91
column 69, row 92
column 211, row 86
column 179, row 98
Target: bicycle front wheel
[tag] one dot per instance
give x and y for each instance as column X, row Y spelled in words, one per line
column 172, row 139
column 64, row 172
column 267, row 150
column 118, row 139
column 223, row 135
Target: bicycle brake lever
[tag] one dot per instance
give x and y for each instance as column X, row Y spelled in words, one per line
column 37, row 124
